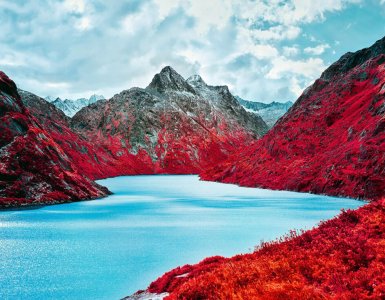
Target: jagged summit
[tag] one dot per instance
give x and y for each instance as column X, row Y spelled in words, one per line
column 171, row 126
column 168, row 79
column 196, row 80
column 71, row 107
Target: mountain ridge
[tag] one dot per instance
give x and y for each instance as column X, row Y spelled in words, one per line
column 71, row 107
column 169, row 111
column 270, row 112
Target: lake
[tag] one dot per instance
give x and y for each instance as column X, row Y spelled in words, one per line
column 110, row 248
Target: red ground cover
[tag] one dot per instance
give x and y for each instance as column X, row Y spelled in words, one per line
column 344, row 258
column 332, row 141
column 34, row 169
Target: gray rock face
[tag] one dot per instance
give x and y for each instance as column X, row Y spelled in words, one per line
column 172, row 119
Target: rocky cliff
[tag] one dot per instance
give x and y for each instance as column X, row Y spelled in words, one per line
column 34, row 168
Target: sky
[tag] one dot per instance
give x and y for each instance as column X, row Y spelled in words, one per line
column 263, row 50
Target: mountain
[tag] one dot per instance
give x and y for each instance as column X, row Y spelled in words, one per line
column 332, row 141
column 174, row 125
column 94, row 161
column 270, row 112
column 34, row 169
column 71, row 107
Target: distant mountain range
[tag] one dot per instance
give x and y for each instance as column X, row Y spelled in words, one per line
column 71, row 107
column 270, row 112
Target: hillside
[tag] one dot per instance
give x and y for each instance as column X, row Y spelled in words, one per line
column 332, row 142
column 34, row 169
column 172, row 126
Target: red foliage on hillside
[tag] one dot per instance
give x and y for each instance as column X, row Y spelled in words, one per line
column 344, row 258
column 34, row 169
column 94, row 161
column 332, row 141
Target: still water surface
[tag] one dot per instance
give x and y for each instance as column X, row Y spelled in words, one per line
column 109, row 248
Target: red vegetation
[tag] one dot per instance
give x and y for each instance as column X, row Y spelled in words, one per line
column 34, row 169
column 344, row 258
column 332, row 141
column 49, row 158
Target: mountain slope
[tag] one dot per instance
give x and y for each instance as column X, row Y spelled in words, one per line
column 332, row 141
column 270, row 112
column 173, row 126
column 34, row 169
column 94, row 161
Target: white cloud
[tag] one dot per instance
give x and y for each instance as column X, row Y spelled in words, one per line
column 310, row 68
column 276, row 33
column 263, row 51
column 290, row 51
column 83, row 24
column 295, row 86
column 212, row 13
column 75, row 6
column 108, row 46
column 165, row 7
column 317, row 50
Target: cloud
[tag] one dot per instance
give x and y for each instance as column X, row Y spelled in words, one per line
column 310, row 68
column 276, row 33
column 76, row 6
column 74, row 48
column 290, row 50
column 317, row 50
column 213, row 13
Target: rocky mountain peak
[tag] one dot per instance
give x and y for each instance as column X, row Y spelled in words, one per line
column 169, row 80
column 196, row 81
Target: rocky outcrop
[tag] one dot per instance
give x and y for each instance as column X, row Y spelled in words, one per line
column 34, row 168
column 174, row 125
column 332, row 141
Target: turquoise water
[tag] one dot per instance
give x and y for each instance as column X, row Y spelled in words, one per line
column 109, row 248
